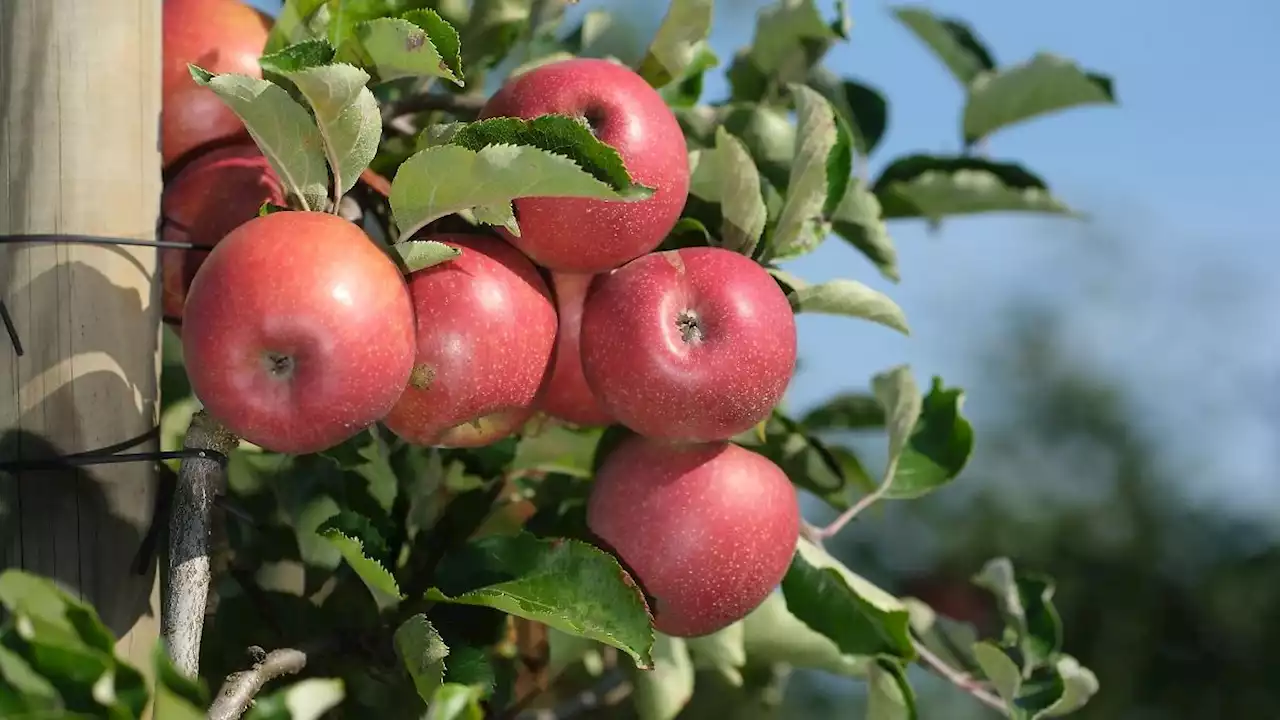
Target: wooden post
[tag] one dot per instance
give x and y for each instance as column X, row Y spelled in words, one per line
column 80, row 98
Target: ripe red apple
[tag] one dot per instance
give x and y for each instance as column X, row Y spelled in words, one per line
column 298, row 332
column 708, row 530
column 221, row 36
column 566, row 394
column 696, row 344
column 585, row 235
column 486, row 328
column 219, row 191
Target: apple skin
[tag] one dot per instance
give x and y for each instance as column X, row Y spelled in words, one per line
column 221, row 36
column 708, row 530
column 298, row 332
column 585, row 235
column 695, row 345
column 219, row 191
column 566, row 395
column 486, row 329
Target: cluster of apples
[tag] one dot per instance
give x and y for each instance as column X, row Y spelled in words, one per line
column 299, row 331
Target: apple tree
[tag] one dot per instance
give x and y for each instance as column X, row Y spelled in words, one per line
column 476, row 354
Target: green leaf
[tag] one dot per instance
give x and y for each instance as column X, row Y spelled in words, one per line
column 367, row 455
column 723, row 651
column 863, row 107
column 859, row 617
column 852, row 299
column 845, row 411
column 661, row 693
column 687, row 89
column 951, row 640
column 808, row 184
column 898, row 394
column 889, row 694
column 177, row 696
column 566, row 584
column 772, row 634
column 558, row 449
column 676, row 45
column 1002, row 671
column 298, row 56
column 23, row 592
column 859, row 219
column 297, row 21
column 769, row 135
column 423, row 653
column 925, row 186
column 285, row 132
column 490, row 163
column 23, row 690
column 825, row 471
column 791, row 36
column 348, row 116
column 727, row 175
column 939, row 448
column 1026, row 603
column 1044, row 84
column 453, row 701
column 1079, row 684
column 419, row 43
column 306, row 699
column 952, row 41
column 565, row 650
column 415, row 255
column 375, row 575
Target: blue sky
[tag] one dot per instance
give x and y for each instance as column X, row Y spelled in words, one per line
column 1167, row 288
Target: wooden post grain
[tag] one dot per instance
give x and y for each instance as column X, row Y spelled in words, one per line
column 80, row 100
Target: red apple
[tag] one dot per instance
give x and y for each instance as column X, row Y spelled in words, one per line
column 219, row 191
column 298, row 332
column 585, row 235
column 486, row 328
column 566, row 394
column 696, row 344
column 221, row 36
column 708, row 530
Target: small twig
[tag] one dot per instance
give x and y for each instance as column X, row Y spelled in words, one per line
column 867, row 501
column 200, row 480
column 237, row 693
column 960, row 679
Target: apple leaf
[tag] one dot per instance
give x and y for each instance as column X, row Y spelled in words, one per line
column 722, row 651
column 845, row 411
column 1044, row 84
column 889, row 694
column 810, row 464
column 850, row 298
column 1058, row 688
column 373, row 573
column 939, row 448
column 1002, row 671
column 679, row 41
column 952, row 41
column 771, row 634
column 66, row 617
column 860, row 618
column 555, row 448
column 791, row 36
column 932, row 187
column 22, row 689
column 951, row 640
column 661, row 693
column 285, row 132
column 419, row 43
column 488, row 164
column 1078, row 685
column 727, row 176
column 896, row 391
column 863, row 107
column 306, row 699
column 686, row 90
column 177, row 696
column 858, row 219
column 423, row 653
column 415, row 255
column 298, row 20
column 820, row 172
column 346, row 113
column 1026, row 603
column 455, row 701
column 566, row 584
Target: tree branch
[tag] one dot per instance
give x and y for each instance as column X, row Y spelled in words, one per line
column 200, row 480
column 237, row 693
column 960, row 679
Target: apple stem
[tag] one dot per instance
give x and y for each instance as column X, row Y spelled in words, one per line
column 200, row 480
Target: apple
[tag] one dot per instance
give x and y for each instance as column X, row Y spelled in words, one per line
column 695, row 345
column 706, row 529
column 216, row 193
column 585, row 235
column 486, row 329
column 298, row 332
column 221, row 36
column 566, row 394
